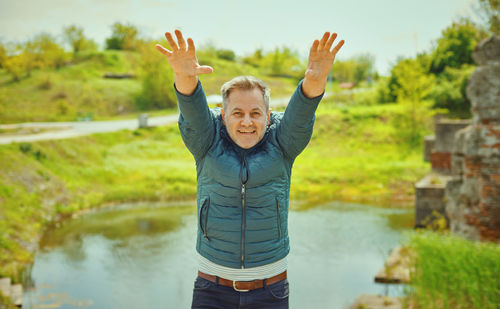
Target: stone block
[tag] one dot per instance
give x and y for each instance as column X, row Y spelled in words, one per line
column 143, row 120
column 445, row 130
column 428, row 147
column 430, row 203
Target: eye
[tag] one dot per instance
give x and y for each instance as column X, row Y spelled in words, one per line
column 237, row 113
column 256, row 114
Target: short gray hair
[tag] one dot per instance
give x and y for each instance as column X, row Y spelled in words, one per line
column 245, row 83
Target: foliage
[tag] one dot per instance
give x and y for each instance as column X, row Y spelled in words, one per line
column 42, row 51
column 355, row 69
column 76, row 39
column 3, row 54
column 226, row 54
column 383, row 91
column 412, row 88
column 123, row 37
column 449, row 91
column 451, row 272
column 283, row 62
column 157, row 80
column 47, row 51
column 455, row 46
column 489, row 12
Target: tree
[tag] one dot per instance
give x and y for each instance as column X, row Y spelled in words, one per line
column 254, row 59
column 76, row 39
column 355, row 69
column 489, row 12
column 3, row 54
column 413, row 86
column 46, row 51
column 124, row 37
column 364, row 67
column 455, row 46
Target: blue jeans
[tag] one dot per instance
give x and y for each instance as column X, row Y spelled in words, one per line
column 210, row 295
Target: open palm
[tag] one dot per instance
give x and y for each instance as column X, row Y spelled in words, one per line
column 321, row 57
column 182, row 58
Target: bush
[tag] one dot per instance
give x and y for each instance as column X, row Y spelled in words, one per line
column 157, row 80
column 450, row 91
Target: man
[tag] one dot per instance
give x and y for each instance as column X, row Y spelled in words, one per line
column 244, row 155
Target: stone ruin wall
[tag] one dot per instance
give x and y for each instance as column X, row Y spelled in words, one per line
column 472, row 196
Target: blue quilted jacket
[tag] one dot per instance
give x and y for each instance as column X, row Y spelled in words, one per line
column 242, row 194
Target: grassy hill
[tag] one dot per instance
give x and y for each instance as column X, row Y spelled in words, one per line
column 79, row 89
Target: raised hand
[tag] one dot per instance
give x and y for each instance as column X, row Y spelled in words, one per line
column 320, row 62
column 183, row 61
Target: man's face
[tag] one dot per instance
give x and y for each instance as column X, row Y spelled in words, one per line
column 246, row 117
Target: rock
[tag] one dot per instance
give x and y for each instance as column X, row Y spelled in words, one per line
column 16, row 294
column 483, row 91
column 396, row 268
column 368, row 301
column 5, row 286
column 487, row 51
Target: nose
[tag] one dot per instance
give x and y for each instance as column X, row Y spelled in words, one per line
column 246, row 121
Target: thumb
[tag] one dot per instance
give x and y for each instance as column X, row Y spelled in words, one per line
column 204, row 69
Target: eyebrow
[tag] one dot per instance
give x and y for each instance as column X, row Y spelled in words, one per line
column 253, row 109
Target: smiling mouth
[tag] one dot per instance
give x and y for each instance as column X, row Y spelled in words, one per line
column 246, row 132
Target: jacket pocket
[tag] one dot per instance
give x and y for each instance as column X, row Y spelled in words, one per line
column 278, row 216
column 203, row 218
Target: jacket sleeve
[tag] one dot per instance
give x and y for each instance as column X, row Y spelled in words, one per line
column 295, row 128
column 196, row 122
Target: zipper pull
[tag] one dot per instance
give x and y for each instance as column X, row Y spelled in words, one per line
column 243, row 189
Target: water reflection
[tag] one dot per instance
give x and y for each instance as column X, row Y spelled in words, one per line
column 144, row 257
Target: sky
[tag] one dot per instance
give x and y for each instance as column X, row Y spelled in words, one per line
column 387, row 29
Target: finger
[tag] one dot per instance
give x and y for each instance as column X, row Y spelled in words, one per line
column 190, row 45
column 171, row 41
column 323, row 40
column 204, row 69
column 163, row 50
column 314, row 47
column 330, row 41
column 337, row 48
column 182, row 43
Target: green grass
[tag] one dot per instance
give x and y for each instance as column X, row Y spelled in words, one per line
column 451, row 272
column 354, row 155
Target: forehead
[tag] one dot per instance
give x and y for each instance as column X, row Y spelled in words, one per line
column 246, row 99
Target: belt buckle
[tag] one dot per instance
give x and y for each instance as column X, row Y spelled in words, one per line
column 236, row 289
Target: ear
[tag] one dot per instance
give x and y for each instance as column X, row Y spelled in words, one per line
column 269, row 116
column 222, row 115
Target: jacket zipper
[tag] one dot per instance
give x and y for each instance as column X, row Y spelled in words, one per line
column 204, row 226
column 279, row 219
column 243, row 226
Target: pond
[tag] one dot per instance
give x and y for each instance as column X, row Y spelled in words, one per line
column 143, row 256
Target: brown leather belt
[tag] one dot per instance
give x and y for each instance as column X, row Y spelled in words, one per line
column 243, row 286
